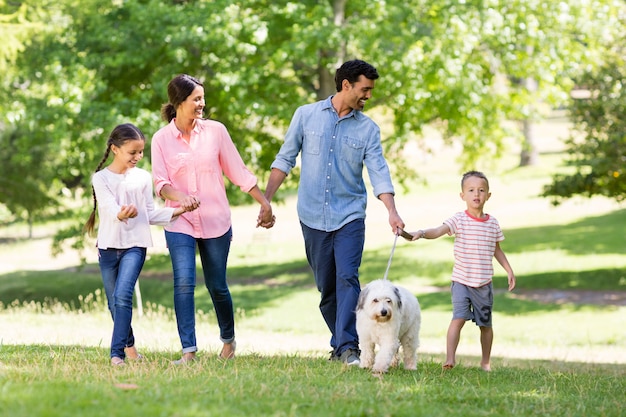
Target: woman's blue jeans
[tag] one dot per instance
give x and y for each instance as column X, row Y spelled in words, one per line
column 214, row 256
column 120, row 270
column 335, row 258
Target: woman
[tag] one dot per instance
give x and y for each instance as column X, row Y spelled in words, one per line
column 190, row 156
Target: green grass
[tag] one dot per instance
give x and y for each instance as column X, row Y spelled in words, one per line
column 74, row 380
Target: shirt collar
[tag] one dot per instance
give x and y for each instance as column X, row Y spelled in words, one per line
column 172, row 126
column 328, row 105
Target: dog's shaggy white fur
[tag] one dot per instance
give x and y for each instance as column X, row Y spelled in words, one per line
column 388, row 316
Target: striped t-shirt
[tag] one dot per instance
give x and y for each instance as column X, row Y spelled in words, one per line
column 474, row 246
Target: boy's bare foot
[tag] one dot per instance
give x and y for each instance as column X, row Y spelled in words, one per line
column 187, row 357
column 486, row 367
column 228, row 350
column 447, row 366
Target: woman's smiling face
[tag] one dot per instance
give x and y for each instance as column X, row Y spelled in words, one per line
column 193, row 106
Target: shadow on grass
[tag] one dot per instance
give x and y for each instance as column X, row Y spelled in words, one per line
column 503, row 304
column 256, row 286
column 253, row 291
column 612, row 279
column 47, row 286
column 600, row 234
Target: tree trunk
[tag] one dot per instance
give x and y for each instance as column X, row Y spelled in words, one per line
column 326, row 76
column 529, row 155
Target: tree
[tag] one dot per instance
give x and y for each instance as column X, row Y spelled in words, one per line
column 597, row 152
column 455, row 65
column 25, row 163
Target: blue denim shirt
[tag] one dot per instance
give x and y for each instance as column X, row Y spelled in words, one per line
column 333, row 151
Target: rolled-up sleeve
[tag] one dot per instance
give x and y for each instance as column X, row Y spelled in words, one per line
column 377, row 167
column 159, row 169
column 233, row 165
column 286, row 157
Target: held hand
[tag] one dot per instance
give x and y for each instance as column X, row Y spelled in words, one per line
column 266, row 219
column 420, row 234
column 395, row 222
column 192, row 207
column 406, row 235
column 190, row 203
column 127, row 212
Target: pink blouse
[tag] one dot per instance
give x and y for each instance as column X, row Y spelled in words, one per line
column 198, row 168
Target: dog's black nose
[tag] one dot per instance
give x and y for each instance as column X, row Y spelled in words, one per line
column 383, row 313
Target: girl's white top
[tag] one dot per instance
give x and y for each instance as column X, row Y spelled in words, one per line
column 116, row 190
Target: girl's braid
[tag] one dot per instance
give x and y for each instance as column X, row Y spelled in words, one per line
column 89, row 226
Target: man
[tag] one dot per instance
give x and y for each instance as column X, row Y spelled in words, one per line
column 335, row 140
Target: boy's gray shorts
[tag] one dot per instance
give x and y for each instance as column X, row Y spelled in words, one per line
column 474, row 304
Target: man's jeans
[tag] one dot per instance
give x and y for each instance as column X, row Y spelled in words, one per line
column 335, row 258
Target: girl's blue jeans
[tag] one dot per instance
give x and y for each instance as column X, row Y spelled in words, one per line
column 214, row 256
column 335, row 258
column 120, row 270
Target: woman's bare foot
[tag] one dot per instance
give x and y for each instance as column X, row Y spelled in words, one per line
column 131, row 353
column 447, row 366
column 486, row 367
column 187, row 357
column 228, row 350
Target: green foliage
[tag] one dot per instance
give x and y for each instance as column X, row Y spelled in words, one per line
column 460, row 65
column 77, row 68
column 597, row 152
column 21, row 187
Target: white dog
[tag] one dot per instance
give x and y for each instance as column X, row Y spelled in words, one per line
column 388, row 316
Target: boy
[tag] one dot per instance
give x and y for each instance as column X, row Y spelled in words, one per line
column 477, row 241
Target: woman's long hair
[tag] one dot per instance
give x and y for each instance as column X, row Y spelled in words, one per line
column 178, row 89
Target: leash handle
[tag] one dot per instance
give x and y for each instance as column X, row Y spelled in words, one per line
column 393, row 248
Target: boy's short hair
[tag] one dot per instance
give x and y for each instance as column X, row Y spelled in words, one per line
column 474, row 174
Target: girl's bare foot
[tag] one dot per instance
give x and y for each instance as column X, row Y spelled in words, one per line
column 486, row 367
column 116, row 361
column 228, row 350
column 447, row 366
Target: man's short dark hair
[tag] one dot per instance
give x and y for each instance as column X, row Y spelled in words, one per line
column 352, row 70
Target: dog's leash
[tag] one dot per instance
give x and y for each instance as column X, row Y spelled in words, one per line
column 393, row 248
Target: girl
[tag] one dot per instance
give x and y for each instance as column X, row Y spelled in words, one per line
column 126, row 211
